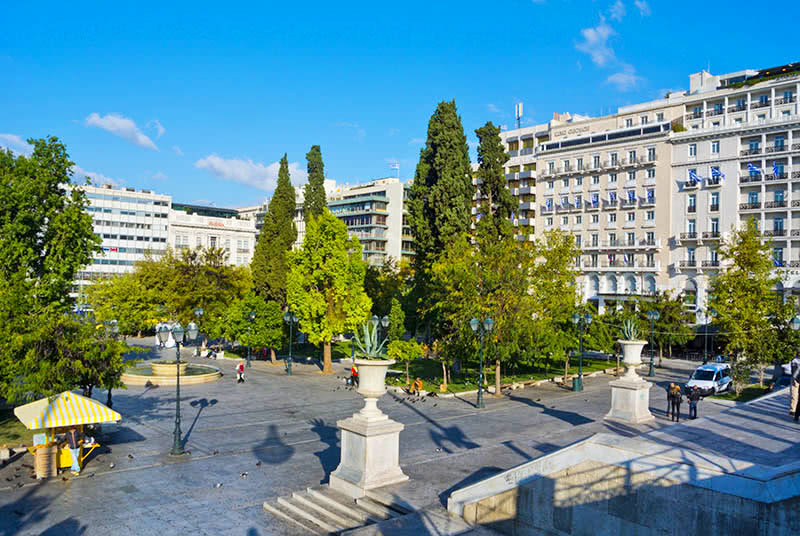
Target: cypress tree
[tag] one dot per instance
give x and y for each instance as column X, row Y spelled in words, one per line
column 440, row 199
column 315, row 201
column 278, row 234
column 497, row 203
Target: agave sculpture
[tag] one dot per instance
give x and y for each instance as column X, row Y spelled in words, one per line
column 368, row 346
column 629, row 330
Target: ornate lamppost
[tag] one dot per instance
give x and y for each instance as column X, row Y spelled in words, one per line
column 291, row 319
column 252, row 317
column 177, row 334
column 652, row 316
column 709, row 316
column 578, row 320
column 481, row 328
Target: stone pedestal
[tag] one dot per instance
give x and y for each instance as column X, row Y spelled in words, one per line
column 370, row 452
column 630, row 401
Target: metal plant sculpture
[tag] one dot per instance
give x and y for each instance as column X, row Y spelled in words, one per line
column 368, row 346
column 629, row 330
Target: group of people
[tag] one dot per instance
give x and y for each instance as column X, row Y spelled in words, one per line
column 794, row 368
column 675, row 399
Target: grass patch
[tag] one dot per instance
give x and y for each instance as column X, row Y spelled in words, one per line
column 749, row 393
column 13, row 432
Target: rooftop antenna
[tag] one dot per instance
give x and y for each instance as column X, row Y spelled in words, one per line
column 518, row 113
column 396, row 166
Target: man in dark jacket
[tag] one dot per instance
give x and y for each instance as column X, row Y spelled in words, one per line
column 694, row 398
column 675, row 406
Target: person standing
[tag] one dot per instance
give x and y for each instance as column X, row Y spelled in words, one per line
column 795, row 383
column 240, row 372
column 669, row 399
column 354, row 375
column 694, row 398
column 675, row 406
column 74, row 444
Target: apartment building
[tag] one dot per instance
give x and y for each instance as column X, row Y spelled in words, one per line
column 192, row 226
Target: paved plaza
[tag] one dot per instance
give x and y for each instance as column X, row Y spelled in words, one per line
column 274, row 434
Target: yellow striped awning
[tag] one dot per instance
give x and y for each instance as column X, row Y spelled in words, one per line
column 66, row 409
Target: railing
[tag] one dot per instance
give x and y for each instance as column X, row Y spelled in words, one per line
column 592, row 206
column 691, row 208
column 710, row 234
column 774, row 232
column 796, row 203
column 759, row 104
column 713, row 181
column 794, row 264
column 689, row 236
column 775, row 204
column 711, row 263
column 712, row 113
column 547, row 210
column 796, row 147
column 647, row 202
column 609, row 204
column 628, row 203
column 784, row 100
column 776, row 148
column 691, row 263
column 750, row 206
column 690, row 184
column 618, row 264
column 713, row 208
column 748, row 152
column 796, row 174
column 737, row 108
column 749, row 178
column 795, row 232
column 647, row 243
column 694, row 115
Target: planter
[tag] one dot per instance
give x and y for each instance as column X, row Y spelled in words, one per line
column 372, row 376
column 632, row 357
column 167, row 368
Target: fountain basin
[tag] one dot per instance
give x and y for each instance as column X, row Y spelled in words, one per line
column 167, row 368
column 192, row 374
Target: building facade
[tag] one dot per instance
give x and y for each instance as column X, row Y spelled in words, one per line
column 192, row 226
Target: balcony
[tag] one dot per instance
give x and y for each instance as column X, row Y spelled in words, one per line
column 713, row 208
column 526, row 174
column 648, row 202
column 737, row 108
column 691, row 263
column 750, row 206
column 774, row 232
column 796, row 203
column 690, row 185
column 776, row 177
column 752, row 151
column 775, row 204
column 649, row 243
column 691, row 235
column 613, row 164
column 563, row 208
column 609, row 204
column 776, row 148
column 526, row 150
column 711, row 235
column 527, row 206
column 524, row 190
column 794, row 264
column 547, row 210
column 785, row 100
column 759, row 104
column 578, row 205
column 713, row 181
column 694, row 115
column 744, row 179
column 715, row 111
column 795, row 232
column 713, row 263
column 628, row 203
column 796, row 174
column 592, row 206
column 691, row 209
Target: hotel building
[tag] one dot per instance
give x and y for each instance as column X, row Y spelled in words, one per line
column 192, row 226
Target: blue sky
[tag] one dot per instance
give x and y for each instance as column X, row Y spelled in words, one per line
column 201, row 101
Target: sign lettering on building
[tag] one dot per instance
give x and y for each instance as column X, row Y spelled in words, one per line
column 216, row 224
column 572, row 131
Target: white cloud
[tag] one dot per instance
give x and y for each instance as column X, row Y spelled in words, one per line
column 160, row 176
column 177, row 150
column 255, row 174
column 16, row 144
column 644, row 7
column 595, row 43
column 626, row 79
column 416, row 141
column 160, row 130
column 96, row 179
column 494, row 109
column 121, row 126
column 617, row 10
column 360, row 132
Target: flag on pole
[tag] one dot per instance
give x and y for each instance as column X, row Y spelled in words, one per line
column 693, row 176
column 631, row 195
column 612, row 197
column 548, row 203
column 776, row 170
column 753, row 169
column 716, row 173
column 595, row 199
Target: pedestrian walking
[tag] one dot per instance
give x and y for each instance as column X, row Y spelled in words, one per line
column 354, row 375
column 694, row 398
column 670, row 387
column 675, row 405
column 74, row 444
column 795, row 383
column 240, row 372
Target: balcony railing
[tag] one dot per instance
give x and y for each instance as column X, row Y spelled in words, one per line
column 776, row 148
column 775, row 204
column 750, row 206
column 691, row 208
column 716, row 111
column 691, row 235
column 794, row 264
column 695, row 115
column 691, row 263
column 648, row 202
column 737, row 108
column 648, row 243
column 795, row 232
column 796, row 203
column 710, row 234
column 690, row 184
column 774, row 232
column 609, row 204
column 628, row 203
column 748, row 152
column 796, row 174
column 749, row 178
column 713, row 263
column 592, row 206
column 712, row 181
column 785, row 100
column 759, row 104
column 713, row 208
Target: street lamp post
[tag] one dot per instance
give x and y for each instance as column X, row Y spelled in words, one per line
column 291, row 319
column 198, row 313
column 177, row 334
column 577, row 383
column 252, row 317
column 112, row 330
column 709, row 314
column 652, row 316
column 482, row 328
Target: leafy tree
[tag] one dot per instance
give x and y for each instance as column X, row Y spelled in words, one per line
column 325, row 286
column 98, row 359
column 265, row 330
column 397, row 321
column 383, row 284
column 440, row 199
column 125, row 299
column 405, row 351
column 743, row 298
column 497, row 203
column 673, row 327
column 314, row 196
column 45, row 238
column 278, row 235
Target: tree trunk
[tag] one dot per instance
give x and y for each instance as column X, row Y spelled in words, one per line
column 616, row 373
column 660, row 354
column 566, row 369
column 408, row 378
column 761, row 369
column 444, row 374
column 327, row 363
column 497, row 392
column 108, row 400
column 272, row 355
column 139, row 334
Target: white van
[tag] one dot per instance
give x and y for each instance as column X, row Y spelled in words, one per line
column 711, row 378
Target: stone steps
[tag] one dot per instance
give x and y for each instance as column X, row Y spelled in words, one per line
column 321, row 510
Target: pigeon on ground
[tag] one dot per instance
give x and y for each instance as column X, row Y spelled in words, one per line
column 258, row 464
column 243, row 475
column 435, row 405
column 20, row 484
column 218, row 485
column 64, row 478
column 438, row 450
column 91, row 475
column 110, row 465
column 130, row 456
column 215, row 452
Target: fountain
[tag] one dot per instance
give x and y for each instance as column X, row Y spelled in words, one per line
column 164, row 373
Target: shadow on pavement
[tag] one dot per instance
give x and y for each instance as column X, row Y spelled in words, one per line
column 328, row 457
column 273, row 450
column 442, row 434
column 569, row 417
column 201, row 404
column 481, row 474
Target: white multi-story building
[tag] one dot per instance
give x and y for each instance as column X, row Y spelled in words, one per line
column 192, row 226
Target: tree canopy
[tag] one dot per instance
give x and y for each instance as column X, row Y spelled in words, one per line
column 497, row 205
column 314, row 199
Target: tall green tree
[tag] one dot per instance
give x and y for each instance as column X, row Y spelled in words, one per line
column 674, row 324
column 497, row 203
column 46, row 236
column 440, row 199
column 127, row 300
column 397, row 321
column 325, row 286
column 314, row 195
column 264, row 330
column 742, row 294
column 277, row 236
column 383, row 284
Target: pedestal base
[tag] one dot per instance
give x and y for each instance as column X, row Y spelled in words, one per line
column 630, row 401
column 370, row 455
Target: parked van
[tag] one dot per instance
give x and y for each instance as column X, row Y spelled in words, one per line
column 711, row 378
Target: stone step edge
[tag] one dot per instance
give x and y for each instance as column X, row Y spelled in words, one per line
column 277, row 512
column 344, row 520
column 390, row 501
column 297, row 510
column 377, row 508
column 334, row 500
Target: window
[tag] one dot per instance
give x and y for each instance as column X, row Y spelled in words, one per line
column 551, row 167
column 691, row 226
column 513, row 146
column 595, row 239
column 763, row 99
column 595, row 179
column 549, row 185
column 564, row 220
column 651, row 215
column 692, row 149
column 578, row 220
column 631, row 176
column 578, row 200
column 612, row 239
column 651, row 262
column 578, row 240
column 777, row 223
column 690, row 256
column 612, row 197
column 777, row 254
column 613, row 157
column 787, row 96
column 565, row 183
column 596, row 161
column 566, row 165
column 762, row 117
column 715, row 201
column 651, row 173
column 632, row 156
column 778, row 169
column 715, row 147
column 580, row 164
column 643, row 119
column 718, row 108
column 579, row 181
column 752, row 197
column 629, row 122
column 612, row 218
column 595, row 218
column 651, row 195
column 549, row 221
column 741, row 103
column 651, row 237
column 692, row 202
column 651, row 154
column 612, row 177
column 779, row 141
column 779, row 196
column 631, row 238
column 631, row 216
column 527, row 143
column 786, row 113
column 715, row 124
column 714, row 257
column 660, row 116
